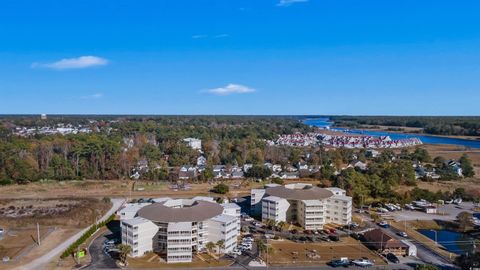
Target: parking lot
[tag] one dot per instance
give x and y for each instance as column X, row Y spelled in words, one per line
column 102, row 258
column 444, row 212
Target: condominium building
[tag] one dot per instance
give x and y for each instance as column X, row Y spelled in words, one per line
column 177, row 229
column 303, row 204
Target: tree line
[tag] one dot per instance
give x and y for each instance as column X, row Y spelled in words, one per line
column 437, row 125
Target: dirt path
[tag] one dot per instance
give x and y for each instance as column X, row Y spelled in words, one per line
column 39, row 263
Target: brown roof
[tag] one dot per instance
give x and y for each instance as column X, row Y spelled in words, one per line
column 199, row 211
column 308, row 193
column 379, row 239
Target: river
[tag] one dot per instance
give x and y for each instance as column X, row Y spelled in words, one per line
column 427, row 139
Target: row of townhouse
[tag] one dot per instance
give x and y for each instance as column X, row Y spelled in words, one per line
column 341, row 141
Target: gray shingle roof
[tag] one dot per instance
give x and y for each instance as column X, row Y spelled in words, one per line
column 308, row 193
column 198, row 211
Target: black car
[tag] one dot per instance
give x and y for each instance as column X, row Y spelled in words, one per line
column 339, row 263
column 392, row 258
column 334, row 237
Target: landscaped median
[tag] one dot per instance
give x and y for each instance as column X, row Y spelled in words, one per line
column 92, row 230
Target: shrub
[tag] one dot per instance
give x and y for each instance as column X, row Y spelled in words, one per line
column 221, row 189
column 5, row 182
column 73, row 247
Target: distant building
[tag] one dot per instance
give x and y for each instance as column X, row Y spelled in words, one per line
column 194, row 143
column 361, row 166
column 372, row 153
column 43, row 116
column 187, row 172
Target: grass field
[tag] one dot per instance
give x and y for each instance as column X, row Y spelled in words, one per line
column 58, row 218
column 152, row 261
column 286, row 252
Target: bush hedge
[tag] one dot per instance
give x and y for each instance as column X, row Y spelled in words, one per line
column 73, row 247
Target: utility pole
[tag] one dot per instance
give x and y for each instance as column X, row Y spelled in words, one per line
column 38, row 234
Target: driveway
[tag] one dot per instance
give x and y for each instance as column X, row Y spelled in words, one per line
column 40, row 262
column 100, row 259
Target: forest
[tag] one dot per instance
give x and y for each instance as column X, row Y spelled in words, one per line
column 435, row 125
column 120, row 144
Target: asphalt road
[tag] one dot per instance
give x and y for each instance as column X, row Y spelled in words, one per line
column 423, row 252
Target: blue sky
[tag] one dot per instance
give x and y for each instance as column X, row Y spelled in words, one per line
column 240, row 57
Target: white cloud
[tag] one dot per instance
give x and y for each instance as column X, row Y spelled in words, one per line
column 222, row 36
column 286, row 3
column 199, row 36
column 93, row 96
column 231, row 89
column 74, row 63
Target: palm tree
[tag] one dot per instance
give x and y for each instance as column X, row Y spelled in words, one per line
column 210, row 246
column 221, row 246
column 263, row 248
column 124, row 251
column 270, row 223
column 281, row 225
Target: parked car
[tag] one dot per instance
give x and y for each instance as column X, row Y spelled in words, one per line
column 392, row 258
column 384, row 224
column 355, row 236
column 409, row 207
column 324, row 238
column 109, row 242
column 245, row 247
column 340, row 263
column 334, row 237
column 363, row 262
column 237, row 252
column 382, row 210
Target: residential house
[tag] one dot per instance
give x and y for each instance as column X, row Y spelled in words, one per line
column 384, row 243
column 187, row 172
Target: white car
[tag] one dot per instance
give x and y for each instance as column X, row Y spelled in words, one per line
column 109, row 243
column 236, row 252
column 244, row 242
column 363, row 262
column 382, row 210
column 246, row 247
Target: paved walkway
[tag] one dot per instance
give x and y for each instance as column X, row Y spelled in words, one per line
column 40, row 262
